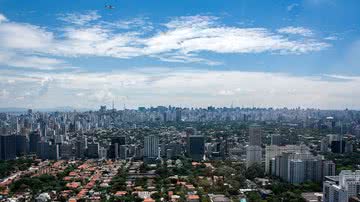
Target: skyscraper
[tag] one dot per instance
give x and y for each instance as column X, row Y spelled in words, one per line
column 151, row 147
column 255, row 133
column 189, row 132
column 123, row 150
column 34, row 138
column 296, row 171
column 54, row 151
column 93, row 150
column 21, row 145
column 42, row 150
column 7, row 147
column 114, row 150
column 80, row 147
column 178, row 115
column 253, row 155
column 196, row 147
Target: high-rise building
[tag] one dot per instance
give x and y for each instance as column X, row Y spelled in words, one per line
column 54, row 151
column 173, row 149
column 338, row 146
column 255, row 135
column 42, row 150
column 274, row 150
column 189, row 132
column 114, row 150
column 151, row 147
column 34, row 138
column 21, row 145
column 281, row 165
column 178, row 115
column 123, row 150
column 296, row 173
column 276, row 139
column 93, row 150
column 7, row 147
column 324, row 145
column 297, row 168
column 328, row 168
column 196, row 147
column 43, row 128
column 66, row 151
column 347, row 186
column 80, row 147
column 313, row 168
column 253, row 155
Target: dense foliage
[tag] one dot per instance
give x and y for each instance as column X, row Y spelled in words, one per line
column 7, row 167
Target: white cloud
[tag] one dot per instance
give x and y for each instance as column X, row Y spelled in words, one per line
column 24, row 36
column 2, row 18
column 80, row 18
column 331, row 38
column 34, row 62
column 195, row 34
column 219, row 88
column 292, row 6
column 141, row 23
column 97, row 41
column 182, row 39
column 296, row 30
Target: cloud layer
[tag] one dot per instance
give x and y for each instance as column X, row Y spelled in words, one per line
column 142, row 87
column 182, row 39
column 185, row 39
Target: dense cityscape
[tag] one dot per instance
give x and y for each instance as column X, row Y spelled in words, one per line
column 180, row 154
column 180, row 101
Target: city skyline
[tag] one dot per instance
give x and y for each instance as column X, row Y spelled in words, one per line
column 186, row 54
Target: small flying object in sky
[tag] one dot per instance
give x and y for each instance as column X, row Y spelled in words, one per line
column 109, row 7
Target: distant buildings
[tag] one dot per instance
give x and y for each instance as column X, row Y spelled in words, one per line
column 336, row 144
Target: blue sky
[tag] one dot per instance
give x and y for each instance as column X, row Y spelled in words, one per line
column 185, row 53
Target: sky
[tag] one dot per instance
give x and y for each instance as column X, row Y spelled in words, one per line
column 81, row 54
